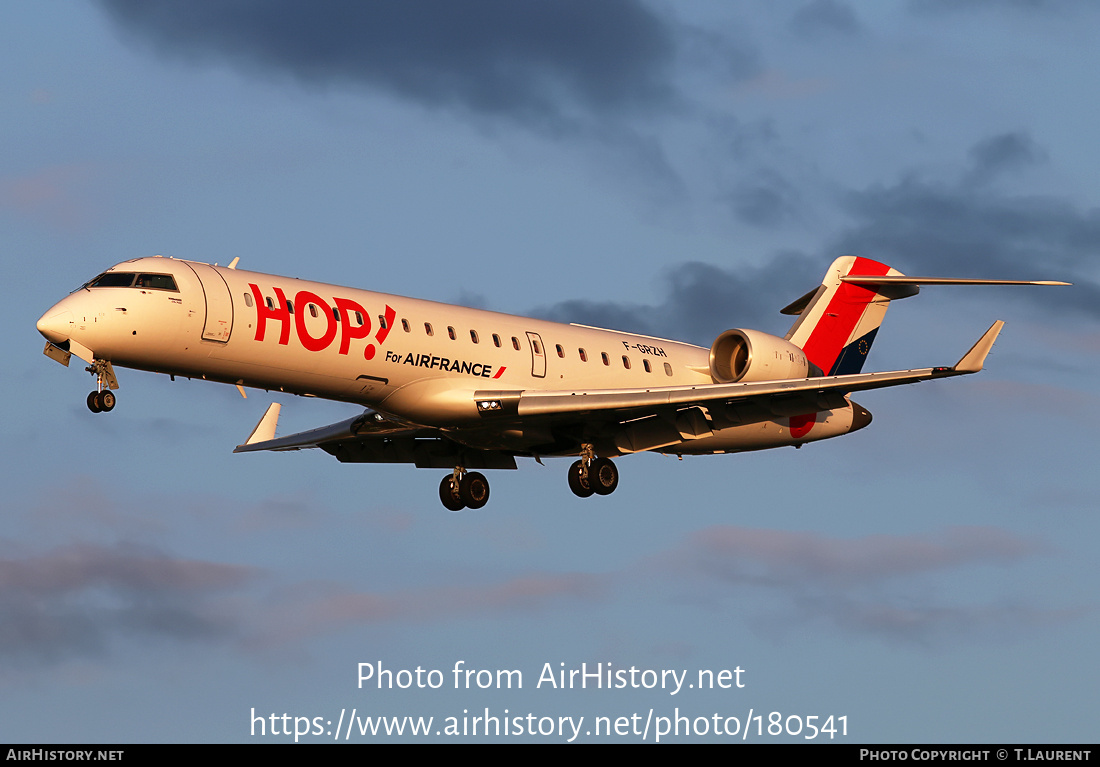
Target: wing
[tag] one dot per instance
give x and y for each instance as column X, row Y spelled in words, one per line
column 734, row 403
column 374, row 438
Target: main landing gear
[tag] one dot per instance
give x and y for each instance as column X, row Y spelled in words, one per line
column 470, row 490
column 463, row 489
column 102, row 400
column 592, row 475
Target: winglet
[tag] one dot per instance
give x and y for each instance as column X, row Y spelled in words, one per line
column 973, row 360
column 265, row 429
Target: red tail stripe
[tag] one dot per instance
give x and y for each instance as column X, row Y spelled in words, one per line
column 847, row 304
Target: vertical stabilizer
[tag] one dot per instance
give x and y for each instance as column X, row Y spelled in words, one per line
column 837, row 323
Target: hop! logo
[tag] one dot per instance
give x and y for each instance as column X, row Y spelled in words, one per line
column 344, row 318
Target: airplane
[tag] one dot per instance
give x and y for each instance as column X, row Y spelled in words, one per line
column 449, row 387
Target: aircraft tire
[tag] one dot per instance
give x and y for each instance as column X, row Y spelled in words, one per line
column 106, row 401
column 577, row 483
column 448, row 496
column 93, row 402
column 603, row 476
column 474, row 490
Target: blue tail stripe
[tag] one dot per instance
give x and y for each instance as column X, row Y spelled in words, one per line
column 851, row 357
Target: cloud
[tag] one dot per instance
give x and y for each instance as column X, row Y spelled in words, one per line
column 875, row 585
column 702, row 300
column 78, row 600
column 56, row 196
column 959, row 229
column 1044, row 7
column 824, row 17
column 532, row 61
column 783, row 558
column 1002, row 153
column 307, row 611
column 769, row 200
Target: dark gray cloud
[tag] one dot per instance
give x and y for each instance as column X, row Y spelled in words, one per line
column 768, row 200
column 997, row 6
column 702, row 300
column 78, row 600
column 958, row 229
column 824, row 17
column 955, row 228
column 1004, row 153
column 521, row 58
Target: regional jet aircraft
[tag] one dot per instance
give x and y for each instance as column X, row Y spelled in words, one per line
column 447, row 387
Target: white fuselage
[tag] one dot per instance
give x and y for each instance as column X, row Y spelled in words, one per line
column 419, row 361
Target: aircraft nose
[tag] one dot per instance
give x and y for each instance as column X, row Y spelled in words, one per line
column 56, row 325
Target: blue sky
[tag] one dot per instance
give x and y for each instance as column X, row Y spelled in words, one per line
column 675, row 169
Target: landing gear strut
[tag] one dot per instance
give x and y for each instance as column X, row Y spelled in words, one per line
column 102, row 400
column 464, row 489
column 592, row 475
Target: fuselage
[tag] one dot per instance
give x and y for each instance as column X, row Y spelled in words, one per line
column 416, row 360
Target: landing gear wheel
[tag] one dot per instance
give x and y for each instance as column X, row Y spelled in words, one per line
column 449, row 496
column 474, row 490
column 577, row 482
column 93, row 402
column 603, row 477
column 106, row 401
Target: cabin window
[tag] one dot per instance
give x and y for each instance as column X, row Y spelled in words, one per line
column 645, row 364
column 537, row 346
column 515, row 343
column 561, row 351
column 605, row 358
column 496, row 340
column 270, row 303
column 668, row 369
column 290, row 306
column 584, row 355
column 382, row 321
column 359, row 317
column 626, row 362
column 336, row 314
column 451, row 333
column 248, row 300
column 428, row 329
column 313, row 310
column 405, row 325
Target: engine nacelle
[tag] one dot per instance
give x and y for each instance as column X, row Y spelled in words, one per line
column 749, row 355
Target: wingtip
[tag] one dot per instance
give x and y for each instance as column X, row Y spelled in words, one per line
column 974, row 360
column 265, row 429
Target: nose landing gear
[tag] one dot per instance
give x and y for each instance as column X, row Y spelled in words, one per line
column 102, row 400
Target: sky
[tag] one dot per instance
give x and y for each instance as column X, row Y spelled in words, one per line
column 674, row 169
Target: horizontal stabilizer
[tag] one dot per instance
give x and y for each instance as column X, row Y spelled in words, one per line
column 859, row 279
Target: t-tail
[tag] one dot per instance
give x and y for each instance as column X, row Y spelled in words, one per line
column 838, row 320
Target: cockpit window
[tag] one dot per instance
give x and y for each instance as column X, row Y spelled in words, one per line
column 113, row 280
column 155, row 281
column 129, row 279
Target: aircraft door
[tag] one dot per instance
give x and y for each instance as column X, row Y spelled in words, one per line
column 538, row 355
column 219, row 304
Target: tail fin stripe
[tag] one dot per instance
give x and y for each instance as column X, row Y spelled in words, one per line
column 826, row 343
